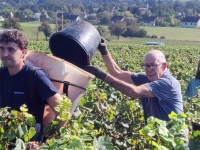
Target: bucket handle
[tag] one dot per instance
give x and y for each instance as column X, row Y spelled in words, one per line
column 66, row 82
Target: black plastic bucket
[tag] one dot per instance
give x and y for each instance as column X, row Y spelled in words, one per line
column 77, row 43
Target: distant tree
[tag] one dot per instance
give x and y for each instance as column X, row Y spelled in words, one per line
column 23, row 15
column 136, row 11
column 35, row 9
column 191, row 4
column 178, row 6
column 131, row 22
column 46, row 29
column 127, row 14
column 43, row 17
column 118, row 28
column 141, row 33
column 59, row 23
column 76, row 11
column 51, row 14
column 105, row 17
column 91, row 18
column 130, row 31
column 189, row 12
column 102, row 31
column 65, row 8
column 28, row 13
column 11, row 23
column 19, row 14
column 171, row 20
column 123, row 7
column 118, row 13
column 152, row 2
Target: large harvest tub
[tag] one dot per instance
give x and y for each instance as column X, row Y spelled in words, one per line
column 59, row 71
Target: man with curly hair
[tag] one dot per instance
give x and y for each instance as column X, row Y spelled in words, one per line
column 15, row 76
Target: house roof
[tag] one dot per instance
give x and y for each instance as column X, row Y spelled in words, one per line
column 3, row 3
column 70, row 17
column 162, row 18
column 37, row 15
column 116, row 18
column 83, row 16
column 190, row 19
column 149, row 18
column 132, row 18
column 2, row 18
column 143, row 9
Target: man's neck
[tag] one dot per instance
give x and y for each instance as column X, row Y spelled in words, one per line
column 14, row 70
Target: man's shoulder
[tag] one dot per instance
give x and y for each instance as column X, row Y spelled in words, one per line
column 169, row 81
column 33, row 70
column 138, row 75
column 139, row 78
column 2, row 70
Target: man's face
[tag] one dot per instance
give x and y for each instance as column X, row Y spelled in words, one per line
column 153, row 68
column 11, row 55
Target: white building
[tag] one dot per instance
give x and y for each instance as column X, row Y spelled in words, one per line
column 37, row 16
column 190, row 22
column 2, row 18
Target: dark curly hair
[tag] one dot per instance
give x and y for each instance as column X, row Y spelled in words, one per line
column 197, row 76
column 14, row 36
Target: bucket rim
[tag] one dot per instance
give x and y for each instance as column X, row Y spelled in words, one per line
column 70, row 37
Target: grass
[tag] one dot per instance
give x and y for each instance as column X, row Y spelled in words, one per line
column 174, row 33
column 30, row 30
column 141, row 41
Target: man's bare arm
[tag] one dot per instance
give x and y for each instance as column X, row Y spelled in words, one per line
column 115, row 70
column 53, row 103
column 129, row 89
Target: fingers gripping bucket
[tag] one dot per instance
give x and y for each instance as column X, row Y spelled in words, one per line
column 77, row 43
column 61, row 70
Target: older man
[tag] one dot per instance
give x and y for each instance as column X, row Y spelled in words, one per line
column 159, row 91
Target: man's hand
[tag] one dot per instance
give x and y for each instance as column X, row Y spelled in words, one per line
column 33, row 145
column 96, row 71
column 102, row 47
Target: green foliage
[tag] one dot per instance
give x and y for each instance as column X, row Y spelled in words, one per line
column 154, row 36
column 117, row 28
column 46, row 29
column 102, row 31
column 74, row 135
column 105, row 17
column 157, row 134
column 105, row 114
column 11, row 23
column 15, row 127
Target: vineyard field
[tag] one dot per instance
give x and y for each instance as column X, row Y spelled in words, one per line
column 107, row 118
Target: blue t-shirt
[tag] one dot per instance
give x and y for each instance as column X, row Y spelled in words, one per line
column 13, row 92
column 168, row 97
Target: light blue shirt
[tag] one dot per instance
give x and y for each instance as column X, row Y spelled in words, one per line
column 192, row 88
